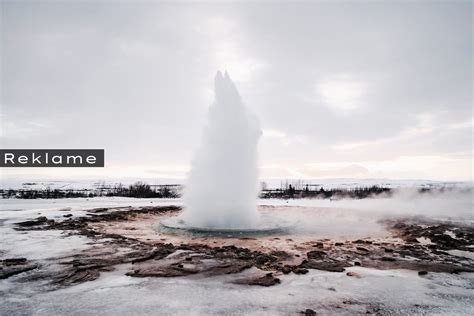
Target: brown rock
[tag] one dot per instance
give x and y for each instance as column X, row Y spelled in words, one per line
column 286, row 269
column 331, row 266
column 300, row 271
column 316, row 254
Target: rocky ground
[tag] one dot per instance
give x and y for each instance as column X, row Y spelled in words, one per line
column 415, row 244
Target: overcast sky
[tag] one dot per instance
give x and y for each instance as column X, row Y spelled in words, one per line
column 342, row 89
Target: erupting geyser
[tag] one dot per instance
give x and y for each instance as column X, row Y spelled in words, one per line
column 222, row 187
column 221, row 194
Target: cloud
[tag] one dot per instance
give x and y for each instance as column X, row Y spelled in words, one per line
column 230, row 51
column 345, row 83
column 284, row 138
column 349, row 171
column 21, row 129
column 341, row 93
column 426, row 126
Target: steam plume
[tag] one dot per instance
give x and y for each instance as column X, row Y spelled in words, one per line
column 222, row 186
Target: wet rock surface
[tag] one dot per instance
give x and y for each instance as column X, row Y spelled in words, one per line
column 443, row 236
column 151, row 258
column 13, row 266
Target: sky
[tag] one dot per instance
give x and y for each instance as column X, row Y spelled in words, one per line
column 343, row 89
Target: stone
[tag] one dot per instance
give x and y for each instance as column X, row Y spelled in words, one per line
column 300, row 271
column 316, row 254
column 331, row 266
column 388, row 259
column 13, row 266
column 286, row 269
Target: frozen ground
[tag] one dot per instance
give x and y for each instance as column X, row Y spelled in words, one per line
column 398, row 292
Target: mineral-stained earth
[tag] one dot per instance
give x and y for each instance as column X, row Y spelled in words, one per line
column 417, row 244
column 129, row 235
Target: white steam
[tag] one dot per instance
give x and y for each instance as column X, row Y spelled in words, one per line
column 222, row 187
column 352, row 218
column 406, row 202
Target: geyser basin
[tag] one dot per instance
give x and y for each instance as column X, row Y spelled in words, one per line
column 267, row 225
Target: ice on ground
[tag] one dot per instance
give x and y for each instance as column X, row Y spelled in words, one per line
column 39, row 245
column 318, row 218
column 399, row 291
column 15, row 210
column 424, row 241
column 461, row 253
column 78, row 204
